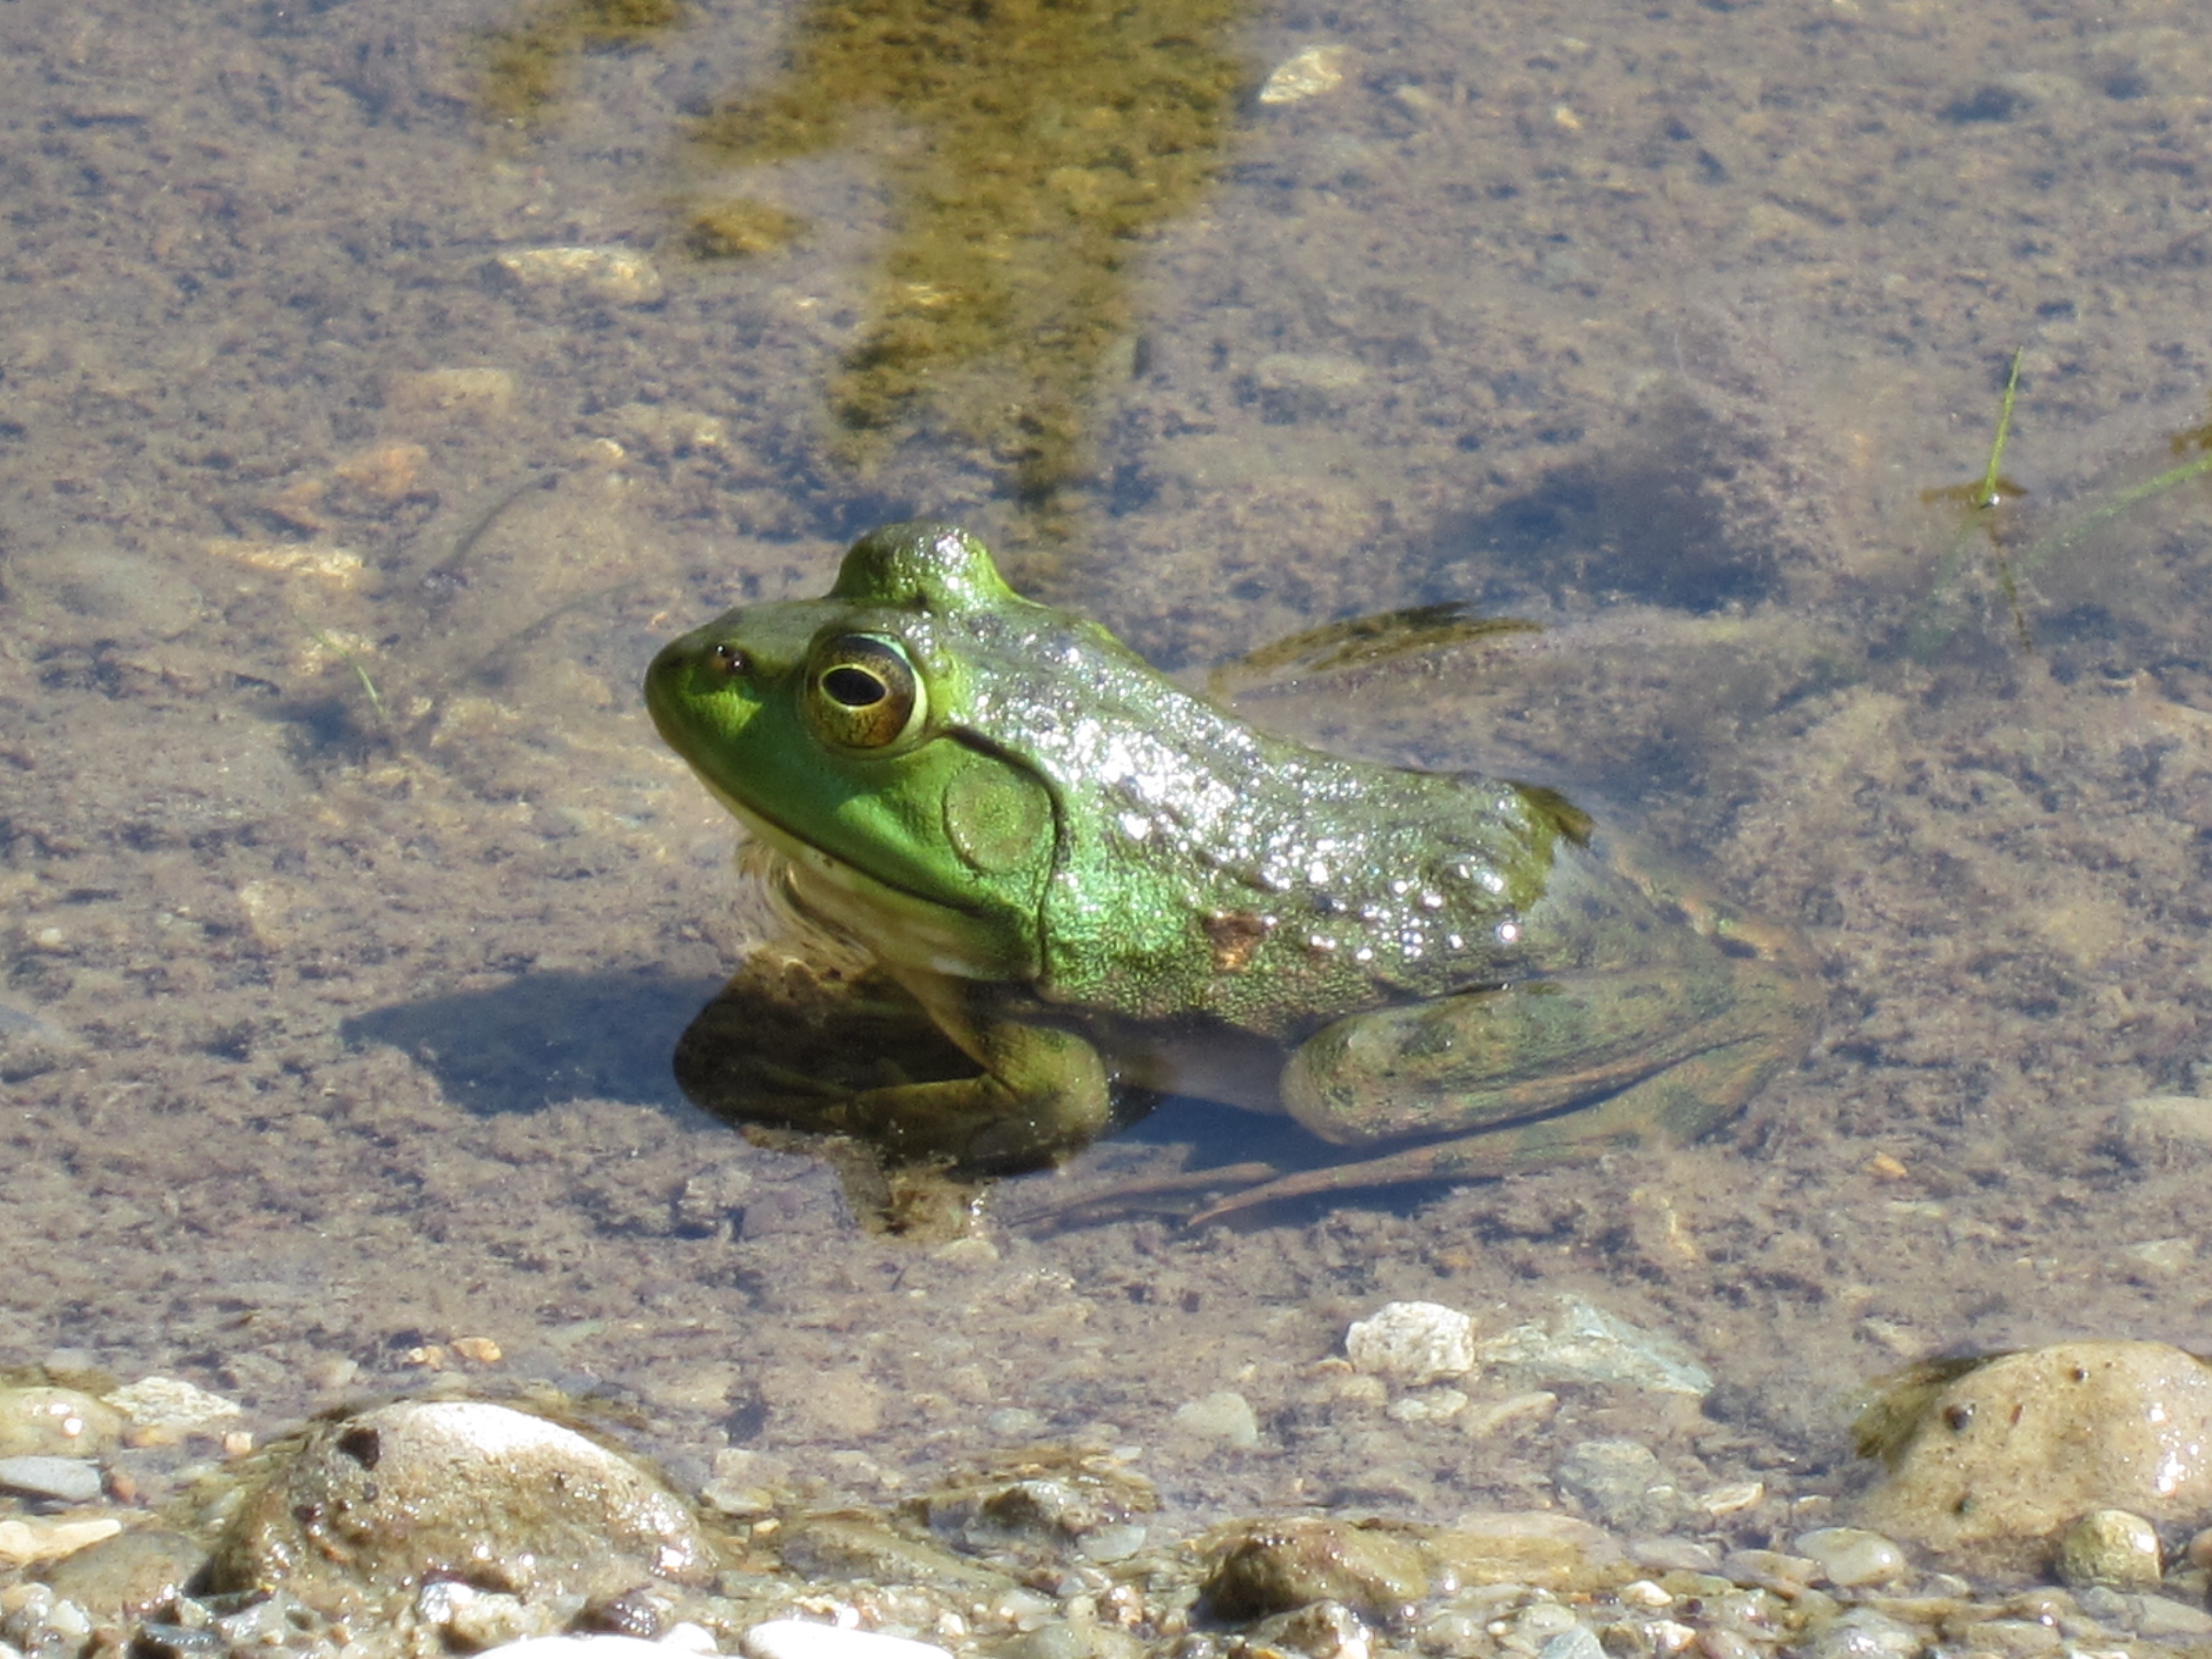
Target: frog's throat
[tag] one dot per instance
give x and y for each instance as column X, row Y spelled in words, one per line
column 903, row 928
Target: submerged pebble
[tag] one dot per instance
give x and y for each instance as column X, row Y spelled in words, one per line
column 38, row 1421
column 1582, row 1342
column 2113, row 1548
column 1305, row 74
column 620, row 274
column 1621, row 1483
column 799, row 1638
column 1413, row 1343
column 1852, row 1557
column 71, row 1479
column 172, row 1406
column 367, row 1506
column 1270, row 1567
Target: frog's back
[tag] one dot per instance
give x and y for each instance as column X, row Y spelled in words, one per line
column 1215, row 873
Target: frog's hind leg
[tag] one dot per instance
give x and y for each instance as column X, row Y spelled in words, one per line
column 1673, row 1105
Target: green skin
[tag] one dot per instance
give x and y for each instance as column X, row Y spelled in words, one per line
column 1097, row 884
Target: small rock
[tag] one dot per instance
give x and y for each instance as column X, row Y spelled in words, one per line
column 1862, row 1633
column 41, row 1421
column 172, row 1404
column 1056, row 1639
column 1583, row 1343
column 22, row 1542
column 1770, row 1569
column 1541, row 1549
column 1511, row 1415
column 2156, row 1128
column 489, row 1620
column 840, row 1546
column 1412, row 1343
column 128, row 1575
column 477, row 392
column 2113, row 1548
column 364, row 1508
column 798, row 1638
column 1276, row 1566
column 1622, row 1483
column 1292, row 387
column 1852, row 1557
column 1430, row 1406
column 1580, row 1643
column 1226, row 1417
column 2156, row 1616
column 1320, row 1629
column 579, row 1647
column 1306, row 74
column 619, row 274
column 261, row 1625
column 2166, row 1257
column 71, row 1479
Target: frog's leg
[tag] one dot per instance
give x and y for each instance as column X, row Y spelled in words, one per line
column 1524, row 1072
column 1042, row 1093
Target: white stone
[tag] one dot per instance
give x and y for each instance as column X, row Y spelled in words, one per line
column 799, row 1638
column 169, row 1402
column 1307, row 74
column 620, row 274
column 580, row 1647
column 1430, row 1406
column 1412, row 1343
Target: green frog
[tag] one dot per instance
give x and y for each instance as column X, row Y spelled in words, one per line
column 1104, row 890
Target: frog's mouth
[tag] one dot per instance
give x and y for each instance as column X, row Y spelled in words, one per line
column 904, row 927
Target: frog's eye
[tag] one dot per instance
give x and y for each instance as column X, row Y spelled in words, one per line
column 866, row 693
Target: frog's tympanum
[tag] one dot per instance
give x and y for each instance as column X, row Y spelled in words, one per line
column 1105, row 890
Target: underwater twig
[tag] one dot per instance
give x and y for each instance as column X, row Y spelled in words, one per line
column 537, row 478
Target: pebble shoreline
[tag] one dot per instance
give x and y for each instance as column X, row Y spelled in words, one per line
column 433, row 1526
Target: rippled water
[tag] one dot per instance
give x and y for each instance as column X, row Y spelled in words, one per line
column 351, row 910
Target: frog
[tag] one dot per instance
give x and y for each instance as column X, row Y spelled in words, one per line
column 1106, row 889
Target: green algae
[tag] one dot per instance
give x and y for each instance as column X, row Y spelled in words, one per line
column 523, row 70
column 1031, row 148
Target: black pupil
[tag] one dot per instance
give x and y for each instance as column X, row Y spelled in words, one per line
column 855, row 687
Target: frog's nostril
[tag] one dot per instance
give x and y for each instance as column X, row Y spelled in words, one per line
column 729, row 660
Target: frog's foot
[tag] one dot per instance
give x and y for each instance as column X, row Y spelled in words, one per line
column 1684, row 1095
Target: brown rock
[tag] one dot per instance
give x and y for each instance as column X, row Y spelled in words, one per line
column 2003, row 1458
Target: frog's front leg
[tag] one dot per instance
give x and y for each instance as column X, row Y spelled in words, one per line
column 1042, row 1093
column 1540, row 1071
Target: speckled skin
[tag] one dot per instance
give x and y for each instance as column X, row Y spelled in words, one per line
column 1096, row 882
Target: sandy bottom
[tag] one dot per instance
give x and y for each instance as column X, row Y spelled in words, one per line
column 338, row 1026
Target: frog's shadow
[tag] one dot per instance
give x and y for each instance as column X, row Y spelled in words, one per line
column 544, row 1038
column 693, row 1047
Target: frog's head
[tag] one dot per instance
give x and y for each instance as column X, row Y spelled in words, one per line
column 844, row 732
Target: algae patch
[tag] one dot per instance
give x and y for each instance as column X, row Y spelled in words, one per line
column 1030, row 147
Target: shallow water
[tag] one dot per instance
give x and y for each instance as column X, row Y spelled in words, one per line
column 351, row 910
